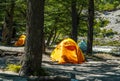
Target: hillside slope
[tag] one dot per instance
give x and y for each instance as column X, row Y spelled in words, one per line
column 114, row 18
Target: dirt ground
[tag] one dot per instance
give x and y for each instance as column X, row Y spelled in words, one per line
column 98, row 67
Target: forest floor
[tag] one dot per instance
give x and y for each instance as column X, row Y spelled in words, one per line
column 98, row 67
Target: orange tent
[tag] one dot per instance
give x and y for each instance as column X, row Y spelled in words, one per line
column 67, row 52
column 20, row 41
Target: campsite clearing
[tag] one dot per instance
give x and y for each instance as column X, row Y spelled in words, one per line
column 99, row 67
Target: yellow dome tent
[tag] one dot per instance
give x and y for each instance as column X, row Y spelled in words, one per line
column 67, row 52
column 20, row 41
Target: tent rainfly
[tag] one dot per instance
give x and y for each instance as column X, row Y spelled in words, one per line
column 67, row 51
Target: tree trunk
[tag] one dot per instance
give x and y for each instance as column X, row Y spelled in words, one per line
column 90, row 26
column 7, row 30
column 34, row 41
column 74, row 21
column 50, row 37
column 55, row 36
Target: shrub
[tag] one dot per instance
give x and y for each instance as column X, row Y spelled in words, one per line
column 13, row 67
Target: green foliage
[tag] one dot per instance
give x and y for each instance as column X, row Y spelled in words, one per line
column 2, row 11
column 98, row 32
column 107, row 5
column 13, row 67
column 19, row 17
column 113, row 43
column 103, row 22
column 106, row 43
column 82, row 28
column 55, row 18
column 108, row 33
column 96, row 42
column 99, row 24
column 58, row 17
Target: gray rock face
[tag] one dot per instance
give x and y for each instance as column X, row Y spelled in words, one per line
column 114, row 18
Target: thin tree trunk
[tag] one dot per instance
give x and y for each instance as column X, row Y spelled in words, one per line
column 50, row 37
column 90, row 26
column 55, row 37
column 74, row 20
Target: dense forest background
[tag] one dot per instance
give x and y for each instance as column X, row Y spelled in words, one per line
column 57, row 24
